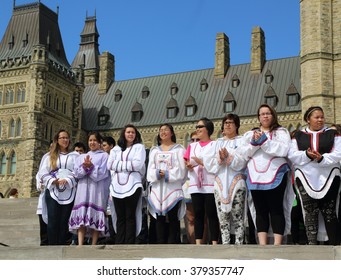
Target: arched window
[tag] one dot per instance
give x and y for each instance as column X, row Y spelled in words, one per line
column 18, row 128
column 13, row 164
column 3, row 164
column 21, row 93
column 12, row 128
column 0, row 129
column 9, row 99
column 64, row 106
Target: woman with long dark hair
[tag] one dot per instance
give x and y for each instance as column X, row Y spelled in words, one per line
column 127, row 164
column 88, row 216
column 167, row 173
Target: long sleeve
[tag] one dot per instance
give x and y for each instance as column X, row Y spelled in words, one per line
column 118, row 163
column 277, row 143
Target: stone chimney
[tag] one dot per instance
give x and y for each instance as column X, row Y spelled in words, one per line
column 222, row 56
column 106, row 72
column 257, row 50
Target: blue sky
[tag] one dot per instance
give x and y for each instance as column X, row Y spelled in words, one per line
column 156, row 37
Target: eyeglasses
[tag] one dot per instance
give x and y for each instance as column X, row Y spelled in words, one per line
column 229, row 122
column 195, row 139
column 265, row 114
column 63, row 138
column 199, row 126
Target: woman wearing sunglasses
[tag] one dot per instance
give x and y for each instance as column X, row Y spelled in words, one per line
column 201, row 183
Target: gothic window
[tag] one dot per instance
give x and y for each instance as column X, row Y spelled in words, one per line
column 46, row 131
column 64, row 106
column 13, row 164
column 0, row 129
column 3, row 164
column 21, row 93
column 103, row 116
column 9, row 99
column 48, row 99
column 51, row 132
column 18, row 128
column 12, row 128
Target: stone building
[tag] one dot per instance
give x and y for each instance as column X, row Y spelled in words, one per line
column 41, row 92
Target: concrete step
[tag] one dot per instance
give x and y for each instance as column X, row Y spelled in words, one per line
column 19, row 224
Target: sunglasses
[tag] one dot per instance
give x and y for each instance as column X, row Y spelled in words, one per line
column 195, row 139
column 199, row 126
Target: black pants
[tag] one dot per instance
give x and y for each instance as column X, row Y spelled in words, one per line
column 58, row 221
column 126, row 219
column 327, row 206
column 269, row 205
column 205, row 204
column 43, row 231
column 167, row 232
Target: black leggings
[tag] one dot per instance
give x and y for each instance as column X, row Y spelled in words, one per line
column 205, row 204
column 269, row 205
column 327, row 206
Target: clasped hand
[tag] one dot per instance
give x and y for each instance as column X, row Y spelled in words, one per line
column 315, row 155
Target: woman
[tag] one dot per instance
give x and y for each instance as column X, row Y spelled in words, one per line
column 57, row 176
column 127, row 163
column 316, row 153
column 167, row 173
column 88, row 216
column 201, row 183
column 268, row 175
column 229, row 185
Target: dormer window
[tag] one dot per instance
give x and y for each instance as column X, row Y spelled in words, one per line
column 103, row 116
column 268, row 77
column 118, row 95
column 25, row 41
column 11, row 43
column 229, row 103
column 271, row 97
column 172, row 109
column 191, row 107
column 203, row 85
column 136, row 112
column 145, row 92
column 293, row 97
column 174, row 89
column 235, row 81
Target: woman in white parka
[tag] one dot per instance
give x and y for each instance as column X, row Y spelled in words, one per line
column 229, row 185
